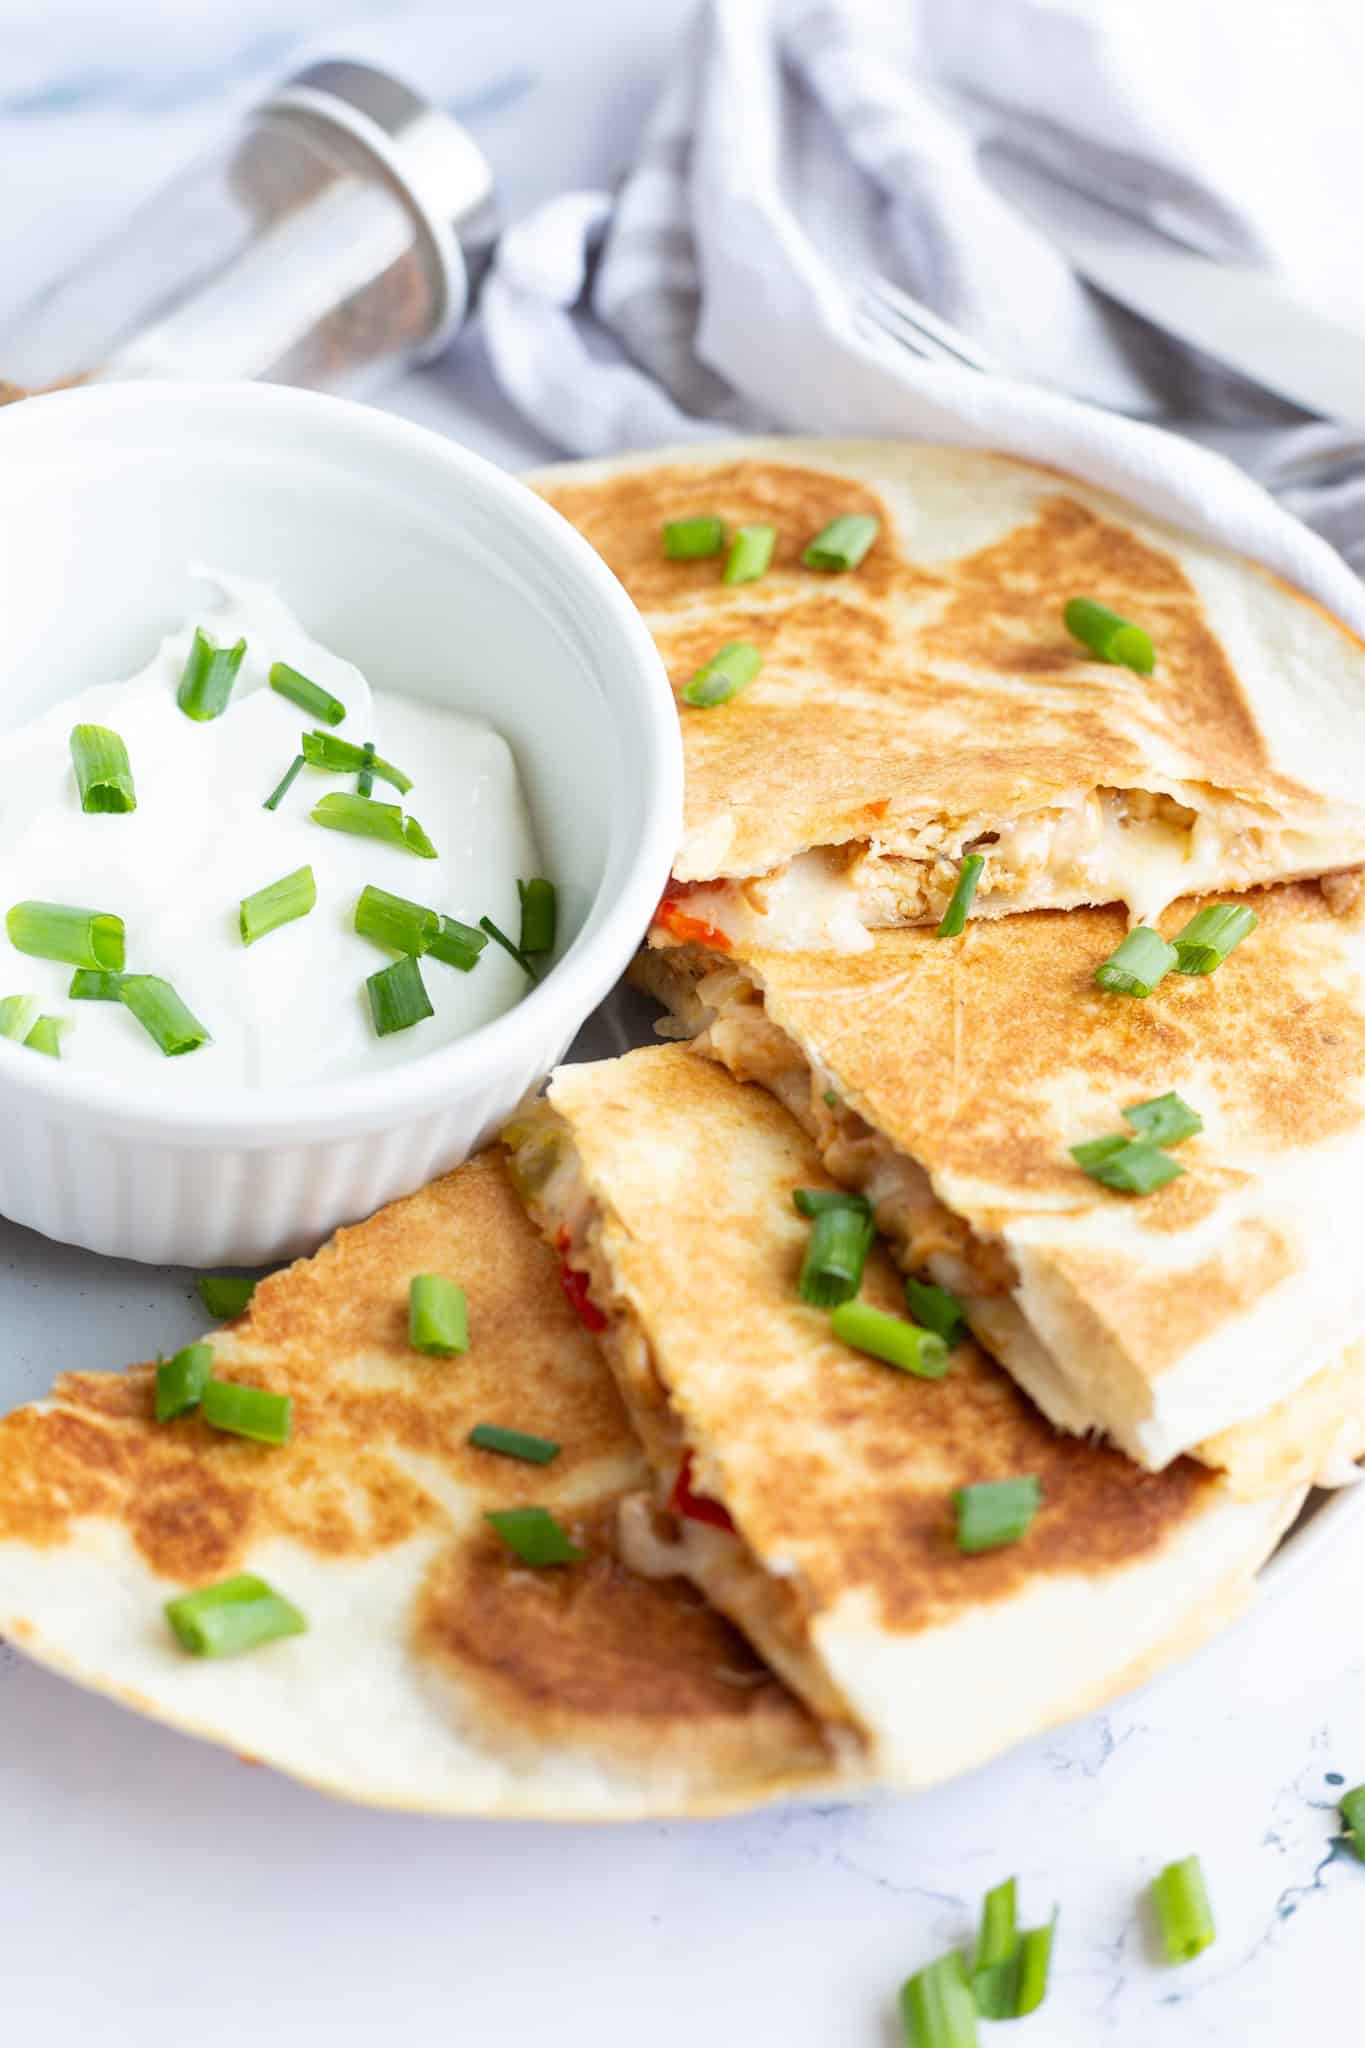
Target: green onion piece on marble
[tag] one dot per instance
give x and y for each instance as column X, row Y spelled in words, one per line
column 293, row 896
column 1205, row 942
column 17, row 1015
column 45, row 1036
column 994, row 1513
column 1035, row 1962
column 751, row 554
column 238, row 1614
column 1137, row 964
column 954, row 921
column 1109, row 637
column 284, row 785
column 225, row 1294
column 690, row 540
column 60, row 931
column 438, row 1318
column 1184, row 1915
column 162, row 1014
column 891, row 1339
column 209, row 674
column 836, row 1252
column 514, row 1443
column 180, row 1381
column 345, row 811
column 535, row 1536
column 843, row 543
column 308, row 695
column 937, row 2007
column 247, row 1411
column 1164, row 1119
column 1352, row 1806
column 995, row 1963
column 93, row 985
column 398, row 997
column 343, row 757
column 537, row 899
column 104, row 774
column 731, row 669
column 934, row 1308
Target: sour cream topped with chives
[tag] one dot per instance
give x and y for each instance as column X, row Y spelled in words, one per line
column 292, row 1007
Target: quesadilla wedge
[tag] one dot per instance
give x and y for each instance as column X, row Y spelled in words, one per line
column 438, row 1672
column 929, row 703
column 948, row 1080
column 808, row 1488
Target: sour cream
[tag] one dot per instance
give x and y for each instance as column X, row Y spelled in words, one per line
column 292, row 1008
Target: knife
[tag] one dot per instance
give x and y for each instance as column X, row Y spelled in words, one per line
column 1242, row 317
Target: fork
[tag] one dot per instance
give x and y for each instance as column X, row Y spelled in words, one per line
column 903, row 319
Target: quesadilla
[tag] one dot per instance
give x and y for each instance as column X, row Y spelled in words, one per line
column 807, row 1488
column 438, row 1672
column 929, row 703
column 949, row 1079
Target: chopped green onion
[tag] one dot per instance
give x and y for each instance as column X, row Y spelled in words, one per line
column 180, row 1381
column 1208, row 938
column 1137, row 964
column 513, row 1443
column 830, row 1099
column 1352, row 1806
column 458, row 945
column 398, row 997
column 1183, row 1912
column 995, row 1966
column 104, row 774
column 1112, row 638
column 59, row 931
column 1164, row 1119
column 393, row 921
column 937, row 2007
column 813, row 1202
column 365, row 779
column 937, row 1310
column 237, row 1614
column 17, row 1014
column 284, row 785
column 209, row 674
column 343, row 757
column 730, row 669
column 836, row 1253
column 955, row 916
column 537, row 900
column 843, row 543
column 93, row 985
column 891, row 1339
column 535, row 1536
column 247, row 1411
column 344, row 811
column 161, row 1014
column 751, row 554
column 1035, row 1960
column 1131, row 1166
column 438, row 1320
column 225, row 1294
column 293, row 896
column 994, row 1513
column 45, row 1035
column 688, row 540
column 487, row 924
column 309, row 696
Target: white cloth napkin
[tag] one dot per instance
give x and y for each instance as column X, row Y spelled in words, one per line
column 803, row 145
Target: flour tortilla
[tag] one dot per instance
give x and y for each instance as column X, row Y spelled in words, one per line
column 437, row 1673
column 671, row 1185
column 931, row 701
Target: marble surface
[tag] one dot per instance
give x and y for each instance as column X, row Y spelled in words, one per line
column 155, row 1889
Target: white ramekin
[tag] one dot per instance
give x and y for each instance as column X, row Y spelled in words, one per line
column 421, row 562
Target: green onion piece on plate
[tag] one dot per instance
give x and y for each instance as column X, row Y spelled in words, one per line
column 891, row 1339
column 1352, row 1806
column 486, row 924
column 535, row 1536
column 45, row 1035
column 59, row 931
column 293, row 896
column 813, row 1202
column 398, row 997
column 344, row 811
column 247, row 1411
column 1184, row 1915
column 732, row 668
column 689, row 540
column 1035, row 1962
column 438, row 1319
column 104, row 774
column 1208, row 938
column 458, row 945
column 1130, row 1166
column 17, row 1014
column 1109, row 637
column 162, row 1015
column 1164, row 1119
column 308, row 695
column 1137, row 964
column 237, row 1614
column 180, row 1381
column 343, row 757
column 954, row 921
column 751, row 554
column 209, row 674
column 513, row 1443
column 843, row 543
column 537, row 898
column 393, row 921
column 93, row 985
column 937, row 2007
column 836, row 1252
column 934, row 1308
column 284, row 785
column 996, row 1512
column 225, row 1294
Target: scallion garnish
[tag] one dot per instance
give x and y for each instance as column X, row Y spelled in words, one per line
column 1352, row 1806
column 1131, row 1166
column 689, row 540
column 209, row 674
column 365, row 778
column 1137, row 964
column 93, row 985
column 1184, row 1915
column 284, row 785
column 937, row 1310
column 1164, row 1119
column 458, row 945
column 344, row 811
column 247, row 1411
column 104, row 775
column 836, row 1252
column 813, row 1202
column 1205, row 942
column 501, row 938
column 937, row 2007
column 751, row 554
column 535, row 1536
column 732, row 668
column 954, row 921
column 438, row 1319
column 393, row 921
column 309, row 696
column 180, row 1381
column 237, row 1614
column 45, row 1036
column 1035, row 1960
column 293, row 896
column 59, row 931
column 995, row 1964
column 398, row 997
column 1108, row 636
column 996, row 1512
column 537, row 899
column 891, row 1339
column 162, row 1015
column 16, row 1016
column 344, row 757
column 843, row 543
column 513, row 1443
column 225, row 1294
